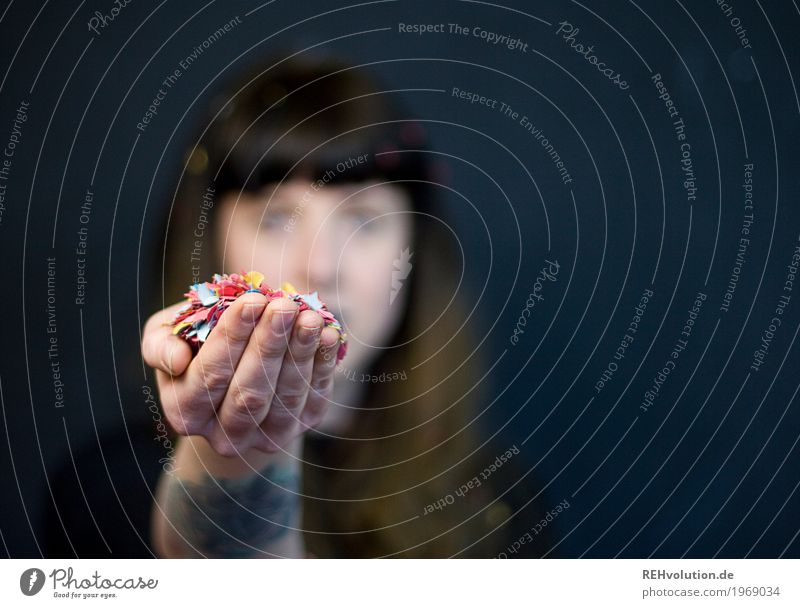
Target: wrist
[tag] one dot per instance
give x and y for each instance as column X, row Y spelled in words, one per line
column 196, row 454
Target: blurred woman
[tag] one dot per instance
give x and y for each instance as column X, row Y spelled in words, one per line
column 309, row 172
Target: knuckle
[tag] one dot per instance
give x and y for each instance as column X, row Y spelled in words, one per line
column 247, row 401
column 317, row 394
column 214, row 372
column 235, row 435
column 235, row 430
column 291, row 400
column 279, row 421
column 236, row 333
column 303, row 354
column 323, row 385
column 268, row 347
column 193, row 426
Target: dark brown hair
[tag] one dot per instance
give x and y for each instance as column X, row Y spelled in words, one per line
column 368, row 493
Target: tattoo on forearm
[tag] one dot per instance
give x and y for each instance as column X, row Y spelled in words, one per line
column 234, row 517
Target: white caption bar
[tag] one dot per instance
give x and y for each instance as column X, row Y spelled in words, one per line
column 400, row 583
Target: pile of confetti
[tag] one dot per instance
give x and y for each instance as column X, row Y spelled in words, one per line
column 207, row 301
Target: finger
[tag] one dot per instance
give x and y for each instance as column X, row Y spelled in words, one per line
column 319, row 395
column 183, row 422
column 250, row 393
column 210, row 372
column 160, row 348
column 293, row 382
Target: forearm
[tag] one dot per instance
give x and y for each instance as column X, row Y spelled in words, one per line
column 214, row 506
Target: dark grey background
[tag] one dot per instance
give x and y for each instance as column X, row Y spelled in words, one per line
column 710, row 469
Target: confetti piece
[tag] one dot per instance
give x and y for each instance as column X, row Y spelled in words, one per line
column 207, row 297
column 312, row 300
column 207, row 301
column 254, row 278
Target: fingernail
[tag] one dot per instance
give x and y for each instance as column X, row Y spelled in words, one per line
column 309, row 334
column 251, row 311
column 166, row 361
column 282, row 320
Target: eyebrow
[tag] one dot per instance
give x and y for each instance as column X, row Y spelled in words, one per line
column 360, row 198
column 278, row 200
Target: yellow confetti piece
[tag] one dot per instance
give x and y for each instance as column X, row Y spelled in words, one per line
column 179, row 327
column 289, row 288
column 254, row 278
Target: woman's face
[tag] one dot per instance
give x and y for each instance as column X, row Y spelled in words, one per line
column 339, row 240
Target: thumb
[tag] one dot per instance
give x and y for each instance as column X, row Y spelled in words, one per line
column 160, row 348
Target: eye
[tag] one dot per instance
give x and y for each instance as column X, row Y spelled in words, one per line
column 363, row 219
column 275, row 219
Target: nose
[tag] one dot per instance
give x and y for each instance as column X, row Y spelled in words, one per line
column 316, row 255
